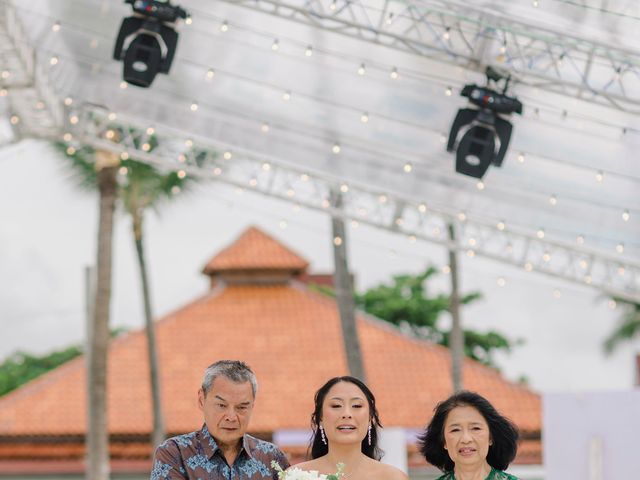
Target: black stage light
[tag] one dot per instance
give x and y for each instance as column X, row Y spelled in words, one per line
column 486, row 133
column 147, row 40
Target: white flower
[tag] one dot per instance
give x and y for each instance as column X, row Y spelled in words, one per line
column 297, row 474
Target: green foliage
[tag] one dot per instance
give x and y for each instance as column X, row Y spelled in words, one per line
column 628, row 326
column 406, row 303
column 22, row 367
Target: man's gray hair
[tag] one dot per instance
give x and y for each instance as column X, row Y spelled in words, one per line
column 234, row 370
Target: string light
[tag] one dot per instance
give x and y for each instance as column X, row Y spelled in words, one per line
column 71, row 150
column 480, row 185
column 146, row 147
column 194, row 106
column 5, row 74
column 344, row 188
column 394, row 73
column 584, row 264
column 448, row 92
column 188, row 21
column 73, row 119
column 422, row 207
column 612, row 304
column 151, row 131
column 337, row 241
column 620, row 248
column 546, row 257
column 224, row 27
column 588, row 279
column 291, row 192
column 211, row 73
column 67, row 137
column 3, row 92
column 540, row 234
column 355, row 224
column 266, row 166
column 471, row 253
column 446, row 35
column 264, row 128
column 123, row 85
column 625, row 215
column 364, row 118
column 124, row 156
column 227, row 155
column 599, row 176
column 382, row 199
column 462, row 216
column 521, row 157
column 181, row 174
column 501, row 282
column 446, row 269
column 123, row 171
column 411, row 238
column 528, row 266
column 336, row 148
column 275, row 45
column 407, row 167
column 286, row 96
column 217, row 171
column 304, row 177
column 557, row 293
column 112, row 116
column 553, row 200
column 333, row 5
column 253, row 182
column 53, row 60
column 308, row 51
column 56, row 27
column 362, row 69
column 188, row 143
column 282, row 224
column 500, row 225
column 580, row 239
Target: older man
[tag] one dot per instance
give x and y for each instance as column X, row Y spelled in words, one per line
column 221, row 449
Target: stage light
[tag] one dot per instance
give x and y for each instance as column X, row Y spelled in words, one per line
column 147, row 40
column 486, row 133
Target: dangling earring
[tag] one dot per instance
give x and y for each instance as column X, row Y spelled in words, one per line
column 324, row 439
column 369, row 435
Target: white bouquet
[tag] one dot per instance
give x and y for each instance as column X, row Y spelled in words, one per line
column 296, row 474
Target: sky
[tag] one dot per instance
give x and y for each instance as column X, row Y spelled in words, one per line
column 48, row 236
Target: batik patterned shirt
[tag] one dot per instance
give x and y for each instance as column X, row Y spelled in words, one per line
column 493, row 475
column 197, row 456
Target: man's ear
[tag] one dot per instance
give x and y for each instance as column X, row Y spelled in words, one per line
column 201, row 398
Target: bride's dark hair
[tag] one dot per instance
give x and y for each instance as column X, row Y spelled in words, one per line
column 317, row 446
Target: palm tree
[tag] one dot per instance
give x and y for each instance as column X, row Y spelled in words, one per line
column 628, row 327
column 344, row 292
column 145, row 187
column 98, row 170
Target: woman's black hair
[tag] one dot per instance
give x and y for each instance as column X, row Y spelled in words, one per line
column 504, row 434
column 317, row 446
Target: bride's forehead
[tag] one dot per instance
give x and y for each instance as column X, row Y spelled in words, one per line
column 345, row 390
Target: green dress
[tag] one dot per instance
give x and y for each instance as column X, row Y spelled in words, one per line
column 493, row 475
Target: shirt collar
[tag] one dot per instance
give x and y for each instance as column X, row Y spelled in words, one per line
column 210, row 445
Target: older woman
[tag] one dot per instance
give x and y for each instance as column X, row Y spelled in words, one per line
column 345, row 431
column 469, row 440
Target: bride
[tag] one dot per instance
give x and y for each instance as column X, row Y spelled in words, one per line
column 345, row 422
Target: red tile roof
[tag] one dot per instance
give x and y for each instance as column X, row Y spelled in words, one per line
column 289, row 335
column 255, row 250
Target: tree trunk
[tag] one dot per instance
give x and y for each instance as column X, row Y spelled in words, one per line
column 344, row 293
column 97, row 431
column 456, row 338
column 158, row 434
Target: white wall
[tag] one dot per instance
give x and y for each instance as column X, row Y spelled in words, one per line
column 591, row 436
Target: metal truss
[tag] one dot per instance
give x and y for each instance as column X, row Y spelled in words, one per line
column 171, row 149
column 472, row 37
column 35, row 107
